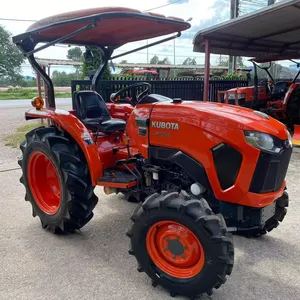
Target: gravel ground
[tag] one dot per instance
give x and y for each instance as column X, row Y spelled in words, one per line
column 94, row 264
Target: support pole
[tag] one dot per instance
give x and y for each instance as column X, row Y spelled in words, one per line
column 38, row 80
column 206, row 71
column 46, row 90
column 234, row 13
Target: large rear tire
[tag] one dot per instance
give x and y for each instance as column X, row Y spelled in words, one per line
column 181, row 244
column 57, row 180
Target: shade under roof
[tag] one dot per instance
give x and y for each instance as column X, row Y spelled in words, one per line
column 268, row 32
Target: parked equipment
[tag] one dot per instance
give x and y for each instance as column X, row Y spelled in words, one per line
column 200, row 170
column 279, row 99
column 263, row 36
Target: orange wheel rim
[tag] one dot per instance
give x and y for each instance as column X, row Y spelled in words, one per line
column 44, row 183
column 175, row 249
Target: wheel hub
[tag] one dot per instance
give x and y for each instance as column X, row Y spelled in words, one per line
column 44, row 182
column 175, row 249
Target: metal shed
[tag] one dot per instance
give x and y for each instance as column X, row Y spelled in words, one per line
column 269, row 32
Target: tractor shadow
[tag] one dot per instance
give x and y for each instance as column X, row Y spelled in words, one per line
column 265, row 268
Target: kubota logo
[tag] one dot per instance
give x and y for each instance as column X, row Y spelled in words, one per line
column 165, row 125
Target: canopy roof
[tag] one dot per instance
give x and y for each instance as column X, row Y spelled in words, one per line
column 268, row 32
column 112, row 26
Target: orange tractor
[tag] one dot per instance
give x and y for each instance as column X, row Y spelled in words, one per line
column 200, row 170
column 279, row 99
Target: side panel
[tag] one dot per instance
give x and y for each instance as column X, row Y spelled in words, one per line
column 78, row 131
column 137, row 128
column 193, row 168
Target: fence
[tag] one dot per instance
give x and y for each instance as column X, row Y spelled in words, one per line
column 186, row 89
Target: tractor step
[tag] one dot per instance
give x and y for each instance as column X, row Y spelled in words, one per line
column 117, row 178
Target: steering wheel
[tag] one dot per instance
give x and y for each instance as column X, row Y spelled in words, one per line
column 135, row 98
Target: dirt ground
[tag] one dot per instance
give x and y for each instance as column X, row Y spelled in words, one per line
column 95, row 264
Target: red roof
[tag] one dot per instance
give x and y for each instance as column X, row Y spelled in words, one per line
column 114, row 26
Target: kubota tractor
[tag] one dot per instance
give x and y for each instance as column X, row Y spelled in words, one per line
column 200, row 170
column 279, row 99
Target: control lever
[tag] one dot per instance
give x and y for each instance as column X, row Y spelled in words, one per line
column 98, row 129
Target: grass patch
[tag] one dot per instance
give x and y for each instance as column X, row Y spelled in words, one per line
column 15, row 139
column 21, row 93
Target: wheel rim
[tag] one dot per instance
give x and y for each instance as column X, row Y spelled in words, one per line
column 44, row 182
column 175, row 249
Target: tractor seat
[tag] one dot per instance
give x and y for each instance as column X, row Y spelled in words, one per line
column 91, row 109
column 279, row 90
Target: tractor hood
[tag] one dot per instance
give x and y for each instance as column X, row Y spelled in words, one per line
column 241, row 89
column 204, row 114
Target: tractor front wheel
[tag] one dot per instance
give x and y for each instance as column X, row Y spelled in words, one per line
column 181, row 244
column 57, row 180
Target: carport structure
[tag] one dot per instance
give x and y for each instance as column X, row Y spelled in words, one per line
column 271, row 33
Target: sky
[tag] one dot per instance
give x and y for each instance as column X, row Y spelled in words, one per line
column 204, row 13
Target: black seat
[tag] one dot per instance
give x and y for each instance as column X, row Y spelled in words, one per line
column 91, row 108
column 279, row 90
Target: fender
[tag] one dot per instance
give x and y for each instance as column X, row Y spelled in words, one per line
column 78, row 131
column 120, row 111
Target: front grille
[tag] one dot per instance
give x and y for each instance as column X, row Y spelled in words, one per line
column 227, row 163
column 270, row 171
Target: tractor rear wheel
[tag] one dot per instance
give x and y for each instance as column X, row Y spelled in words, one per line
column 181, row 244
column 57, row 180
column 280, row 211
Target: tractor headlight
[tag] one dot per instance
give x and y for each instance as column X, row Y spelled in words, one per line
column 263, row 141
column 240, row 96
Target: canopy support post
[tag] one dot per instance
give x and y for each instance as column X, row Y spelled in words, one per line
column 46, row 79
column 38, row 80
column 206, row 71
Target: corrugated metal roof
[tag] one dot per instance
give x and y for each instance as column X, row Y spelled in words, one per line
column 57, row 62
column 272, row 31
column 191, row 67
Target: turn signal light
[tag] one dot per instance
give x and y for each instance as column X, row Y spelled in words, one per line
column 37, row 102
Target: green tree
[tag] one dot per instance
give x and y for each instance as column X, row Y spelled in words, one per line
column 10, row 57
column 223, row 61
column 275, row 70
column 190, row 62
column 94, row 65
column 165, row 61
column 76, row 54
column 154, row 60
column 63, row 78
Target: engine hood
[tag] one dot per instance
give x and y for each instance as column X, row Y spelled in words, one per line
column 225, row 115
column 241, row 89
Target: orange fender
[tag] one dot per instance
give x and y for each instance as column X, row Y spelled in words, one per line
column 296, row 135
column 78, row 131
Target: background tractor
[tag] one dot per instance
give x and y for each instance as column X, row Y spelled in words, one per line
column 262, row 37
column 200, row 170
column 279, row 99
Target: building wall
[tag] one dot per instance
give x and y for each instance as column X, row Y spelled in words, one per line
column 247, row 6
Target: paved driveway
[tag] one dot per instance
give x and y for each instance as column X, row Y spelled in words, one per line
column 95, row 265
column 36, row 265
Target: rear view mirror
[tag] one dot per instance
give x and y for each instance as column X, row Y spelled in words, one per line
column 88, row 56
